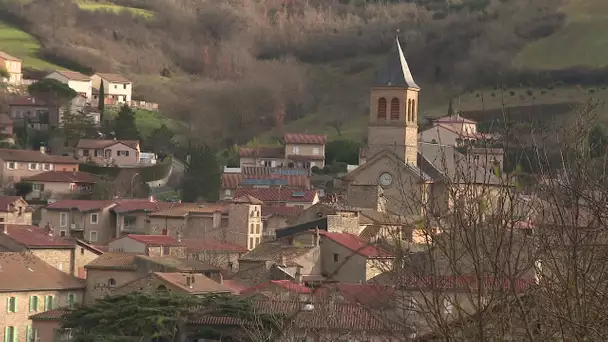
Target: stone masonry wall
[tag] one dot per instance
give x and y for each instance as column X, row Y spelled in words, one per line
column 98, row 282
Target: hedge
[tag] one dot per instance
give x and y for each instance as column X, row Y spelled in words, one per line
column 146, row 173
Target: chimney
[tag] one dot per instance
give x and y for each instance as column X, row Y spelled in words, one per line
column 188, row 281
column 217, row 219
column 179, row 236
column 193, row 280
column 283, row 261
column 42, row 149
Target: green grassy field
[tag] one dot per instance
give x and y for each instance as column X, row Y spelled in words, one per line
column 22, row 45
column 582, row 42
column 147, row 121
column 93, row 6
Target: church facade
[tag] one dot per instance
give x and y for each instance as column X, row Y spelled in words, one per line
column 416, row 176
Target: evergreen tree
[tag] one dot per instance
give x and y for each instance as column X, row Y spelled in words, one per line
column 202, row 177
column 451, row 108
column 76, row 126
column 101, row 102
column 124, row 125
column 160, row 140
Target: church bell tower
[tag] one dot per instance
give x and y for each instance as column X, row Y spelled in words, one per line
column 393, row 115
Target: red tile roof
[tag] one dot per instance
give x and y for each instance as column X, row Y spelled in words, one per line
column 25, row 272
column 470, row 282
column 281, row 210
column 248, row 199
column 193, row 244
column 202, row 284
column 303, row 138
column 113, row 78
column 50, row 315
column 64, row 177
column 155, row 240
column 234, row 180
column 6, row 56
column 74, row 75
column 6, row 201
column 80, row 205
column 34, row 237
column 262, row 152
column 278, row 195
column 131, row 205
column 97, row 143
column 34, row 156
column 113, row 261
column 357, row 245
column 288, row 285
column 235, row 285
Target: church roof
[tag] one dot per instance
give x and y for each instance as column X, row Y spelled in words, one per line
column 397, row 72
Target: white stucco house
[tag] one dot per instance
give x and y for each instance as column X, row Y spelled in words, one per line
column 81, row 83
column 117, row 88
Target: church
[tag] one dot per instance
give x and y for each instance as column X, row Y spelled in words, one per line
column 415, row 177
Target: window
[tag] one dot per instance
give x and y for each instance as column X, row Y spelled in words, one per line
column 11, row 165
column 414, row 110
column 94, row 218
column 38, row 187
column 62, row 233
column 161, row 288
column 251, row 244
column 9, row 334
column 257, row 241
column 122, row 153
column 251, row 227
column 382, row 108
column 116, row 86
column 336, row 257
column 316, row 151
column 111, row 282
column 71, row 299
column 124, row 86
column 32, row 166
column 11, row 304
column 46, row 167
column 93, row 236
column 63, row 219
column 295, row 150
column 33, row 303
column 257, row 228
column 81, row 251
column 85, row 153
column 395, row 109
column 31, row 334
column 49, row 303
column 165, row 250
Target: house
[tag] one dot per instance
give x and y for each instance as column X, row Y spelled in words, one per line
column 305, row 150
column 219, row 254
column 109, row 152
column 14, row 210
column 237, row 222
column 68, row 256
column 112, row 270
column 133, row 216
column 18, row 164
column 175, row 282
column 455, row 130
column 276, row 217
column 6, row 126
column 33, row 286
column 39, row 114
column 80, row 83
column 116, row 87
column 263, row 177
column 152, row 245
column 262, row 156
column 301, row 198
column 57, row 184
column 12, row 65
column 83, row 219
column 416, row 176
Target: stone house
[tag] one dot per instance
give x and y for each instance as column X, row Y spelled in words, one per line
column 305, row 150
column 18, row 164
column 14, row 210
column 68, row 256
column 280, row 290
column 39, row 115
column 151, row 245
column 176, row 282
column 300, row 198
column 455, row 130
column 80, row 83
column 133, row 216
column 120, row 153
column 33, row 286
column 276, row 217
column 116, row 87
column 59, row 184
column 263, row 177
column 220, row 254
column 12, row 65
column 262, row 156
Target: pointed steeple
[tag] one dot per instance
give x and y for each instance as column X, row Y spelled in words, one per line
column 397, row 73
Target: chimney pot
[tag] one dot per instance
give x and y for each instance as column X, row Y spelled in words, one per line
column 188, row 281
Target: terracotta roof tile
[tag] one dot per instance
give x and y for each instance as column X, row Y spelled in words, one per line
column 126, row 206
column 281, row 210
column 25, row 272
column 114, row 261
column 278, row 195
column 178, row 264
column 274, row 251
column 50, row 315
column 155, row 240
column 236, row 180
column 235, row 285
column 201, row 283
column 114, row 78
column 287, row 285
column 303, row 138
column 262, row 152
column 193, row 244
column 34, row 156
column 6, row 201
column 80, row 205
column 73, row 75
column 356, row 244
column 183, row 209
column 98, row 143
column 34, row 237
column 248, row 199
column 6, row 56
column 64, row 177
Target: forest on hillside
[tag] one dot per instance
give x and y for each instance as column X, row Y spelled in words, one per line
column 233, row 69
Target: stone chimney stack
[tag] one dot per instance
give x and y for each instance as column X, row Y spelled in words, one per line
column 42, row 149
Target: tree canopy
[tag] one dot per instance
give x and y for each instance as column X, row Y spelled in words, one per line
column 52, row 91
column 124, row 125
column 202, row 176
column 76, row 126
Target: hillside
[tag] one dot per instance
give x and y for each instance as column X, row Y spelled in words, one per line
column 247, row 68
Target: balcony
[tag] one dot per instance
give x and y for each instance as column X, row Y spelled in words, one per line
column 76, row 227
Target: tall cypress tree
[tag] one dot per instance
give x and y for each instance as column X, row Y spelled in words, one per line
column 202, row 177
column 101, row 102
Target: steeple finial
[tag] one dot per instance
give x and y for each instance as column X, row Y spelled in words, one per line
column 397, row 72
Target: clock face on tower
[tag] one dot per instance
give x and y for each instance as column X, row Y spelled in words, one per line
column 386, row 179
